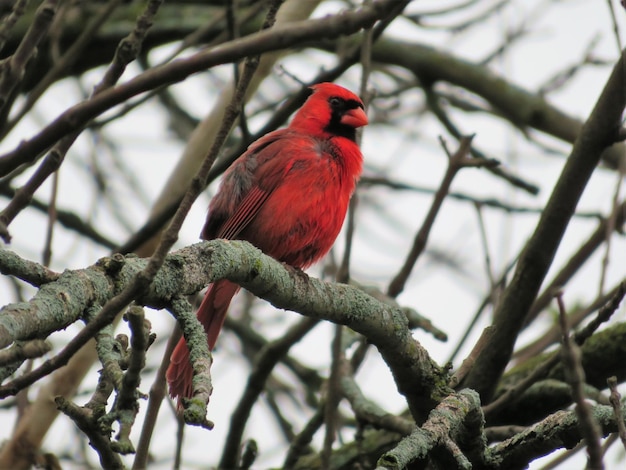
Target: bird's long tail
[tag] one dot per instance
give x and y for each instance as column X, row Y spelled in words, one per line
column 211, row 314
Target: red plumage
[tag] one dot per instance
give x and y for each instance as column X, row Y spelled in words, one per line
column 288, row 195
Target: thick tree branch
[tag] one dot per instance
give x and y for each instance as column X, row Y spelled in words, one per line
column 186, row 271
column 34, row 273
column 556, row 431
column 452, row 419
column 519, row 106
column 598, row 133
column 603, row 355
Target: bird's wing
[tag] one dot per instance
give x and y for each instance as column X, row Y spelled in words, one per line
column 273, row 156
column 244, row 213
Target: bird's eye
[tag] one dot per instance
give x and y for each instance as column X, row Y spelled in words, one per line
column 335, row 102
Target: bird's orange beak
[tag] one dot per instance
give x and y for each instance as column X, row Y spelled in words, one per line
column 354, row 118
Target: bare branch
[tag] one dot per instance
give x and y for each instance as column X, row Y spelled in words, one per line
column 455, row 163
column 598, row 133
column 285, row 36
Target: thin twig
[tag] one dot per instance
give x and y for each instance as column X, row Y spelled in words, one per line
column 211, row 34
column 126, row 52
column 618, row 40
column 443, row 117
column 492, row 203
column 616, row 403
column 608, row 303
column 52, row 218
column 563, row 457
column 61, row 65
column 542, row 370
column 155, row 398
column 611, row 222
column 333, row 396
column 487, row 300
column 66, row 218
column 300, row 444
column 79, row 115
column 485, row 243
column 570, row 354
column 576, row 261
column 455, row 163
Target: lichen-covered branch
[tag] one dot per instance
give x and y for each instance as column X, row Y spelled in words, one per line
column 186, row 271
column 194, row 408
column 560, row 430
column 447, row 421
column 35, row 274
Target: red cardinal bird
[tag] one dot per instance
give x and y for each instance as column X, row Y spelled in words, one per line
column 288, row 195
